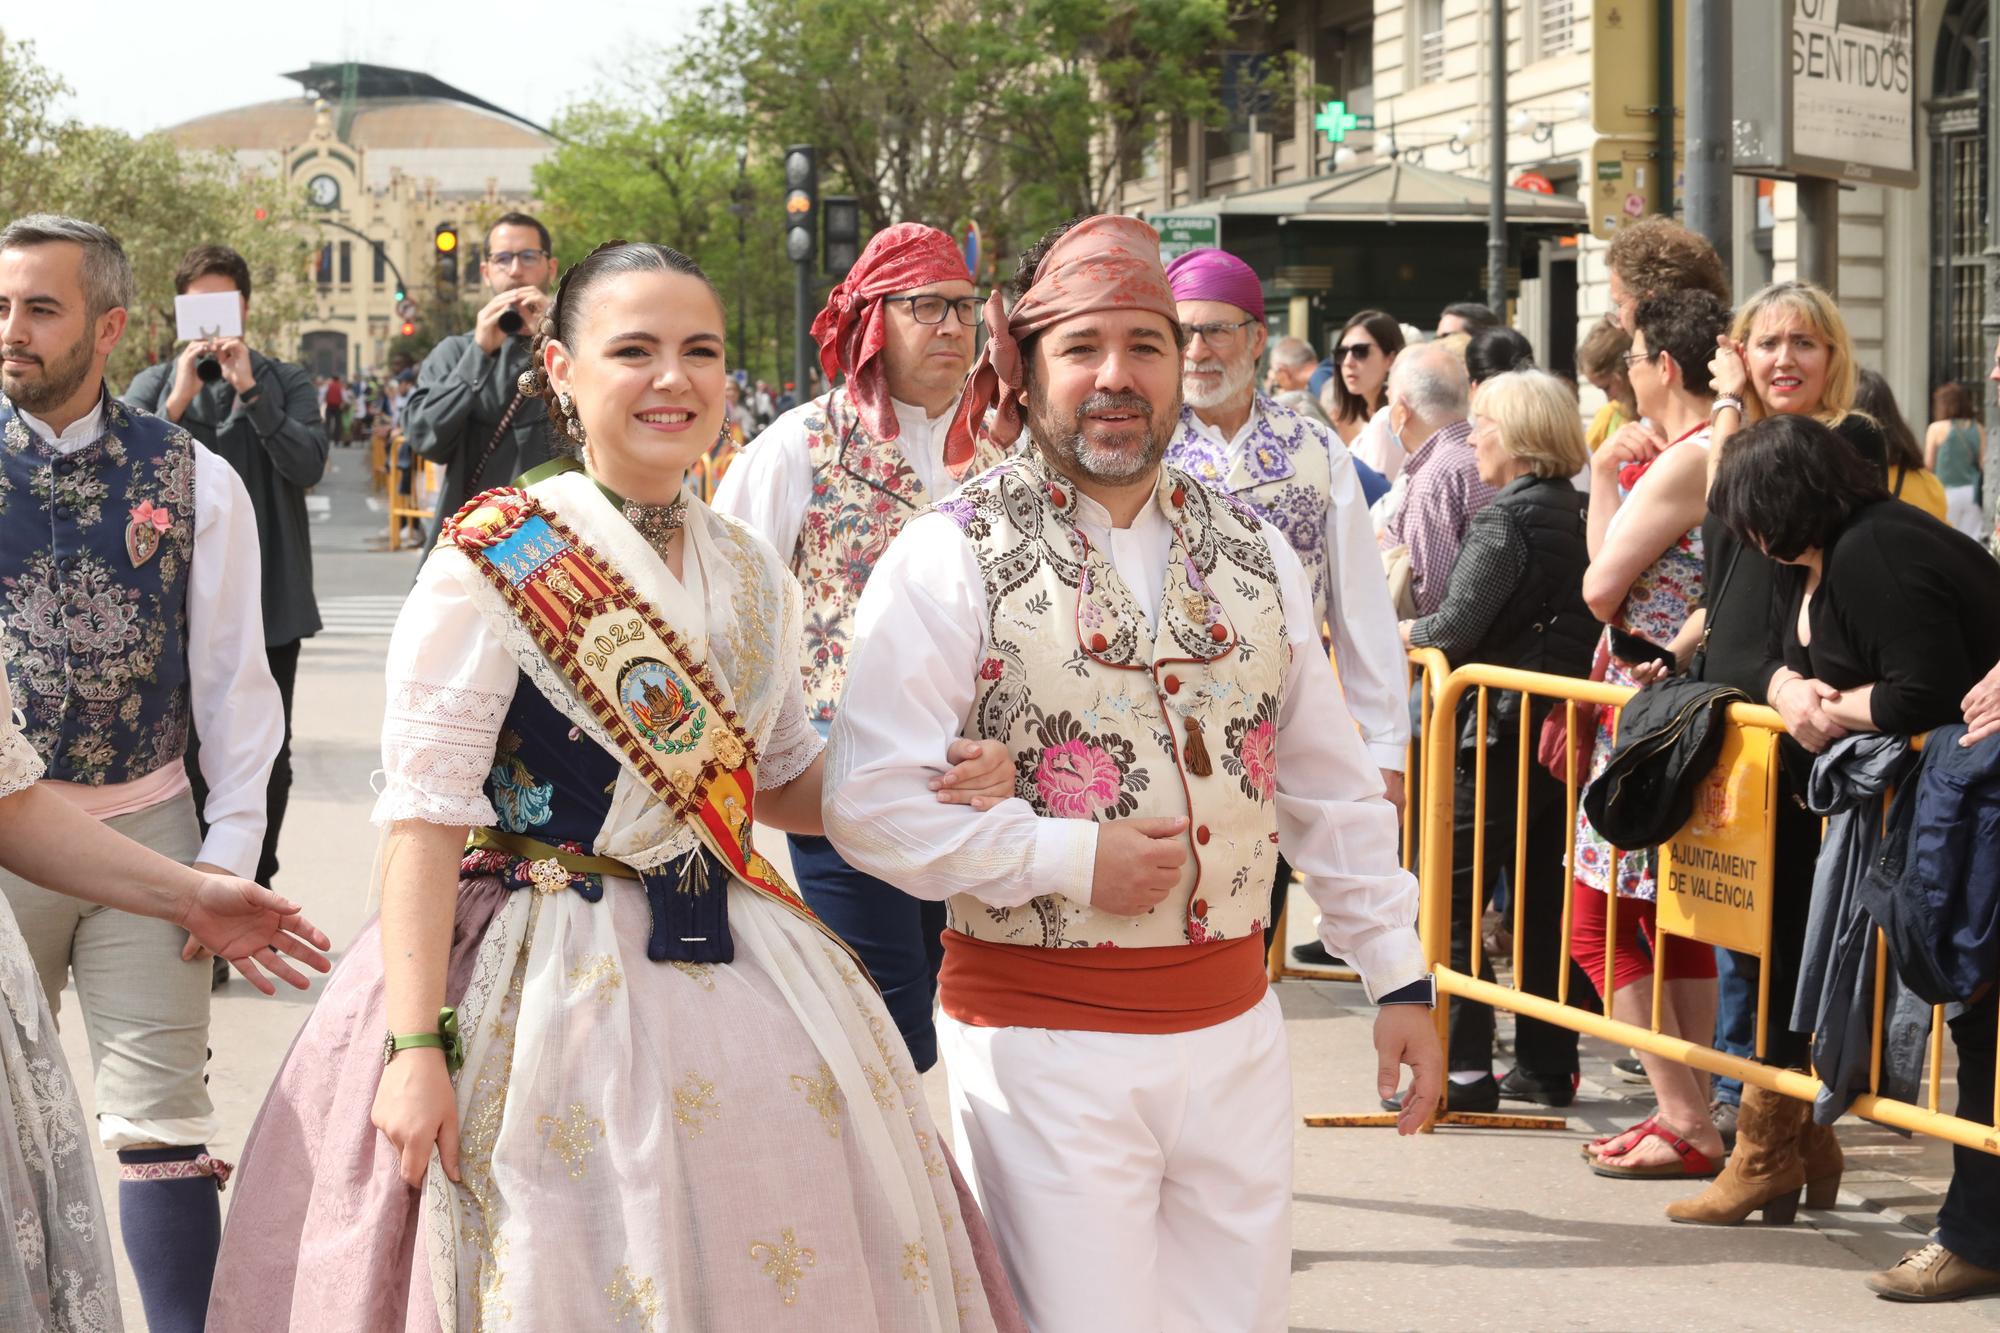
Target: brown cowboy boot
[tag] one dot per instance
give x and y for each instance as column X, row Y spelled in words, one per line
column 1819, row 1148
column 1765, row 1171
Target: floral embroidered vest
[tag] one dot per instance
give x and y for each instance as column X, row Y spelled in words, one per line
column 1109, row 718
column 94, row 552
column 1285, row 474
column 863, row 491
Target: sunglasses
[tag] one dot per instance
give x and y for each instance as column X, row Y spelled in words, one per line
column 1354, row 351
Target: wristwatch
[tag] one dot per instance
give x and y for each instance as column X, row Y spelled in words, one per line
column 1423, row 991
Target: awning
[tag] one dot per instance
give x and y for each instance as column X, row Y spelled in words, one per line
column 1394, row 191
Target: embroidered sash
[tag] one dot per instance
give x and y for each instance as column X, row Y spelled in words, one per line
column 671, row 719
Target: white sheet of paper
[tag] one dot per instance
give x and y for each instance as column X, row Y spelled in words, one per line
column 208, row 315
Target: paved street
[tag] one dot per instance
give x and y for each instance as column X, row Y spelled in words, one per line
column 1461, row 1230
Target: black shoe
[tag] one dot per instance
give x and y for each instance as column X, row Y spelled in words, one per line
column 1628, row 1068
column 1314, row 954
column 1483, row 1095
column 219, row 971
column 1521, row 1086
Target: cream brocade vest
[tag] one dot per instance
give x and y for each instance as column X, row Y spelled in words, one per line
column 1108, row 718
column 863, row 491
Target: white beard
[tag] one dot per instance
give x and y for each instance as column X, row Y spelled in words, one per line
column 1233, row 382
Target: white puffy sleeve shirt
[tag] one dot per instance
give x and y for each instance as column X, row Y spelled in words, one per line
column 920, row 637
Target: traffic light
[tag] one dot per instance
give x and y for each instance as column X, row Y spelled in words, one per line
column 446, row 241
column 409, row 329
column 843, row 233
column 801, row 203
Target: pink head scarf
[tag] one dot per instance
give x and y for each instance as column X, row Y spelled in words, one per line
column 851, row 329
column 1213, row 275
column 1102, row 263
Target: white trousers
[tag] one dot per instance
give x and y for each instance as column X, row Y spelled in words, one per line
column 1132, row 1182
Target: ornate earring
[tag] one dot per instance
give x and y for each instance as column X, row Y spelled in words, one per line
column 572, row 427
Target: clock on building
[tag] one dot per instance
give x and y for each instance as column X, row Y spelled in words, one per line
column 323, row 190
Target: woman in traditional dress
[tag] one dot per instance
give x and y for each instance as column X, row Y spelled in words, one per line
column 59, row 1275
column 682, row 1104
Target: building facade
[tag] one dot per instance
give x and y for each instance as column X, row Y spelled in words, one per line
column 1912, row 269
column 385, row 159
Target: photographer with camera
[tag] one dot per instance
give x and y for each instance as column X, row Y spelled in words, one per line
column 261, row 416
column 468, row 411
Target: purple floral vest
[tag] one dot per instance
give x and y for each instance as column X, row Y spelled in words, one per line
column 863, row 491
column 94, row 553
column 1285, row 475
column 1110, row 718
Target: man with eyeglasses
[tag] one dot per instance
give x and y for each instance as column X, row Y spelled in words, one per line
column 469, row 412
column 829, row 484
column 1299, row 478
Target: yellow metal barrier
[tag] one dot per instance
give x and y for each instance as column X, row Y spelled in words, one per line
column 1434, row 921
column 1429, row 666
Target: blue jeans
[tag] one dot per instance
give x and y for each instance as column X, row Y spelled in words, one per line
column 1735, row 1017
column 898, row 937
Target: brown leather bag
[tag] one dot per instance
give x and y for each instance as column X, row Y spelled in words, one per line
column 1552, row 750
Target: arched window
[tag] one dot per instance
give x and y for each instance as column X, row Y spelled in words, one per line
column 1958, row 184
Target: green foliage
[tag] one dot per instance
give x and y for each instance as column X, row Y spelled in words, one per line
column 158, row 200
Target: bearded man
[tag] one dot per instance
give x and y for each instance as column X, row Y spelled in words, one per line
column 830, row 484
column 108, row 507
column 1149, row 652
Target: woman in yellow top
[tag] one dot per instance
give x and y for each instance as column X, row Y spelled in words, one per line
column 1601, row 358
column 1908, row 479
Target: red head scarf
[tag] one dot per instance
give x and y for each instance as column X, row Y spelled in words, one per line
column 850, row 331
column 1102, row 263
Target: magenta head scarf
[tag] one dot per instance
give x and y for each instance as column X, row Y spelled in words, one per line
column 1214, row 275
column 1102, row 263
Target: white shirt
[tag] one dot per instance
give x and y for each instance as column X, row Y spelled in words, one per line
column 237, row 711
column 770, row 483
column 1377, row 446
column 1374, row 673
column 920, row 635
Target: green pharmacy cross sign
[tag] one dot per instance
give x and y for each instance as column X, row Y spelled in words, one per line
column 1334, row 121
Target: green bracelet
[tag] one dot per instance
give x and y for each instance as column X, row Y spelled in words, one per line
column 445, row 1039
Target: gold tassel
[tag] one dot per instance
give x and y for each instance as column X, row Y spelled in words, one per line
column 1195, row 752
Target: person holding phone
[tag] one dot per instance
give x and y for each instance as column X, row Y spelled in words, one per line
column 469, row 411
column 1648, row 497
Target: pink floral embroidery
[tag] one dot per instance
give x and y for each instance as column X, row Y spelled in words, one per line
column 990, row 669
column 1076, row 780
column 1260, row 765
column 1250, row 750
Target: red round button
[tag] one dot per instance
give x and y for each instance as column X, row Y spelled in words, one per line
column 1201, row 835
column 1218, row 632
column 1179, row 496
column 1056, row 494
column 1173, row 684
column 1098, row 643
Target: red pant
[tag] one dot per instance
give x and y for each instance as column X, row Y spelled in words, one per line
column 1638, row 945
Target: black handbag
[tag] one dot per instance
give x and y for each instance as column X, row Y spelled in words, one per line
column 1668, row 739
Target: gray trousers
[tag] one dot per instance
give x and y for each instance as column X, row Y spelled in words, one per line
column 144, row 1010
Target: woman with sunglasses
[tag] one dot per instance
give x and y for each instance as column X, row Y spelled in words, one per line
column 1358, row 393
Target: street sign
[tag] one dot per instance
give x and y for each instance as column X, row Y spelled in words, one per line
column 1625, row 66
column 406, row 309
column 1182, row 232
column 1827, row 90
column 1335, row 120
column 1534, row 182
column 970, row 247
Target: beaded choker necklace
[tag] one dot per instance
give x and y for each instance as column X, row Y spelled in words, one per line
column 657, row 523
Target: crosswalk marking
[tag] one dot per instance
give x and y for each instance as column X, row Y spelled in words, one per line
column 360, row 615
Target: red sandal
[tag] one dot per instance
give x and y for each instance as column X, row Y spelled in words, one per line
column 1589, row 1149
column 1694, row 1164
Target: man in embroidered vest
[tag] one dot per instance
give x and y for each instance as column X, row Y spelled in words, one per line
column 1296, row 475
column 829, row 484
column 130, row 607
column 1149, row 651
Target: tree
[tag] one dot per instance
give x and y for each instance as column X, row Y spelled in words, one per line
column 158, row 200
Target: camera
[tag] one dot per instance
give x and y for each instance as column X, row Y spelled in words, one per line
column 511, row 323
column 208, row 370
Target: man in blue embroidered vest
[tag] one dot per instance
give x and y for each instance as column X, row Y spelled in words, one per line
column 829, row 484
column 129, row 607
column 1149, row 651
column 1298, row 477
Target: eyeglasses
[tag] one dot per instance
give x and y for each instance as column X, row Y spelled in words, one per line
column 1634, row 358
column 1219, row 334
column 1354, row 351
column 509, row 258
column 930, row 309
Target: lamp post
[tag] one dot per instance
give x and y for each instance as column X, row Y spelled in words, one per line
column 739, row 206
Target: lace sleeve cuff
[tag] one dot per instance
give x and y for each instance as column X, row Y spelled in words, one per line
column 20, row 766
column 438, row 743
column 794, row 744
